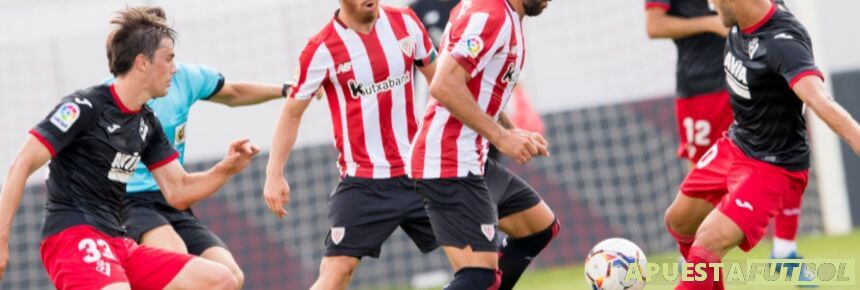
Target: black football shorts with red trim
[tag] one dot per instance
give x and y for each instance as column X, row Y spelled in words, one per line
column 364, row 212
column 749, row 191
column 462, row 211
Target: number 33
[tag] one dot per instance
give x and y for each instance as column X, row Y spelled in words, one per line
column 91, row 247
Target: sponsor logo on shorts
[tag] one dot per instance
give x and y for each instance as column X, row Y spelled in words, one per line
column 489, row 231
column 337, row 234
column 65, row 116
column 743, row 204
column 103, row 267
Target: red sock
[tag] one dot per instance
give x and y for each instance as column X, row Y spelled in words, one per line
column 684, row 242
column 700, row 255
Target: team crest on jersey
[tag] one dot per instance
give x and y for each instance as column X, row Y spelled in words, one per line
column 144, row 129
column 65, row 116
column 179, row 137
column 337, row 234
column 753, row 47
column 123, row 166
column 407, row 46
column 471, row 46
column 489, row 231
column 358, row 90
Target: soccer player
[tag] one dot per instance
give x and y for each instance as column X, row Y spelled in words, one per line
column 149, row 218
column 702, row 107
column 94, row 139
column 363, row 59
column 763, row 162
column 483, row 55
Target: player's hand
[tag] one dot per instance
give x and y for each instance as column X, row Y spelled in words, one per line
column 516, row 145
column 4, row 258
column 239, row 156
column 717, row 27
column 277, row 194
column 537, row 139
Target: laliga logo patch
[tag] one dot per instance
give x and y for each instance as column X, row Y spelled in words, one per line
column 65, row 116
column 489, row 231
column 407, row 46
column 472, row 46
column 337, row 234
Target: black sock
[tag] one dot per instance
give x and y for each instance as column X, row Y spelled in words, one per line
column 516, row 255
column 474, row 279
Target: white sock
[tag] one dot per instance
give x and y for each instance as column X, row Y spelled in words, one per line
column 783, row 248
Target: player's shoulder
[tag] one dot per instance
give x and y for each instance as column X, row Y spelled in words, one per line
column 396, row 9
column 783, row 26
column 93, row 97
column 322, row 35
column 496, row 12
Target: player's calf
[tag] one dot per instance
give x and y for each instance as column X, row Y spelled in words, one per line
column 475, row 278
column 517, row 253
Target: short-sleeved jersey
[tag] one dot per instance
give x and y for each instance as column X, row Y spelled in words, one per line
column 763, row 62
column 189, row 84
column 367, row 79
column 96, row 143
column 699, row 69
column 485, row 37
column 434, row 14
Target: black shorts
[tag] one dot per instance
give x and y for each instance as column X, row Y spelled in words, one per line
column 364, row 212
column 466, row 211
column 510, row 192
column 145, row 211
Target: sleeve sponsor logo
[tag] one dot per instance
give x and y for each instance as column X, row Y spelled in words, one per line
column 65, row 116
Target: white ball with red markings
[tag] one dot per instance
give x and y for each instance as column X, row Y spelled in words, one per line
column 608, row 264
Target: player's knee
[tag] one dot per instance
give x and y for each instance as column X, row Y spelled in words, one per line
column 713, row 239
column 475, row 278
column 219, row 277
column 676, row 221
column 240, row 277
column 340, row 266
column 534, row 244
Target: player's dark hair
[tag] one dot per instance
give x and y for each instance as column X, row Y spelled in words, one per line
column 139, row 31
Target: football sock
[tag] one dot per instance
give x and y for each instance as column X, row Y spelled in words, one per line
column 684, row 242
column 516, row 255
column 700, row 255
column 475, row 279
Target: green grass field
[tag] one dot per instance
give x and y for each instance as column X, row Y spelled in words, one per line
column 820, row 247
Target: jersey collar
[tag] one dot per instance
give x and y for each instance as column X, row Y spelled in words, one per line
column 118, row 101
column 763, row 21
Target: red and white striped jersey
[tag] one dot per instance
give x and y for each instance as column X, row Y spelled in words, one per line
column 367, row 79
column 486, row 38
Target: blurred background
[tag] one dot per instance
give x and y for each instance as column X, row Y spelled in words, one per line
column 603, row 89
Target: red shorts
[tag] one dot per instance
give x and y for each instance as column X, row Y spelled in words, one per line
column 701, row 122
column 748, row 191
column 82, row 257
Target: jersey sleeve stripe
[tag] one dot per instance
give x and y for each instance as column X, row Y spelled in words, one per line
column 312, row 71
column 803, row 74
column 44, row 141
column 161, row 163
column 658, row 5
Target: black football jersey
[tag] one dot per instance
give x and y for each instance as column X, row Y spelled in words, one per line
column 699, row 69
column 762, row 64
column 96, row 144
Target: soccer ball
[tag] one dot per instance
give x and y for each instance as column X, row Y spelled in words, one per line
column 608, row 264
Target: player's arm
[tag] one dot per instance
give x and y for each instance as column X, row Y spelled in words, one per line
column 812, row 91
column 450, row 88
column 30, row 158
column 245, row 93
column 277, row 190
column 660, row 24
column 182, row 189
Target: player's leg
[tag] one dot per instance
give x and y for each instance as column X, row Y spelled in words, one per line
column 154, row 268
column 529, row 223
column 200, row 241
column 785, row 231
column 117, row 286
column 147, row 225
column 465, row 222
column 703, row 188
column 362, row 214
column 335, row 272
column 82, row 257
